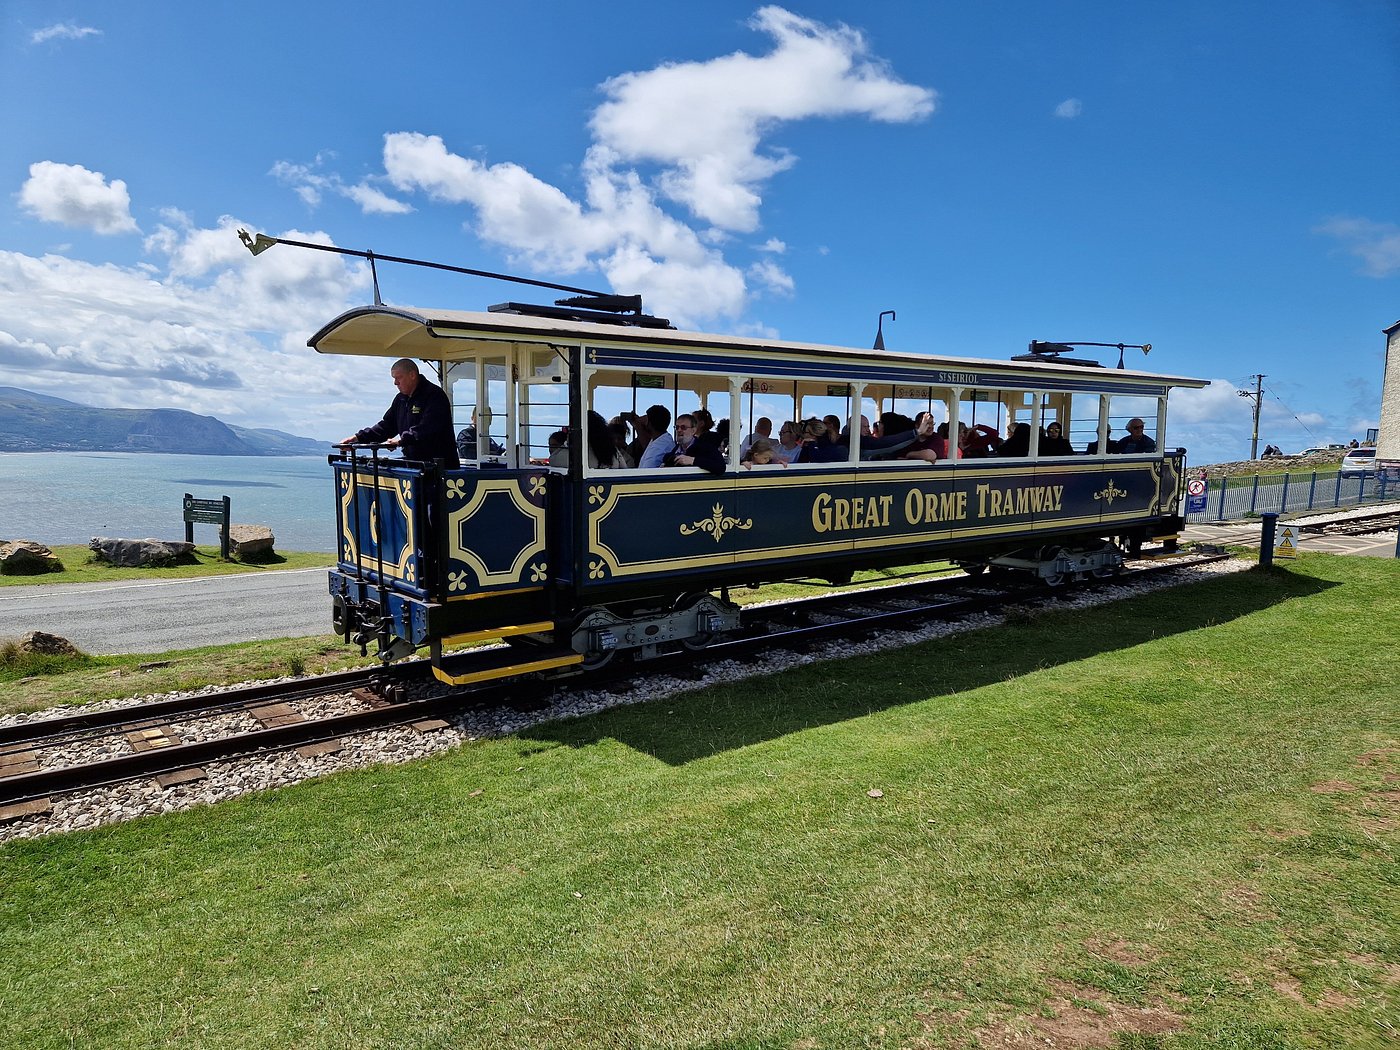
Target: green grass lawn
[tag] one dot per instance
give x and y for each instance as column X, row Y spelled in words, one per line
column 80, row 565
column 1176, row 816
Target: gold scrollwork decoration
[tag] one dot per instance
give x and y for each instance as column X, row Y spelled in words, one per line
column 1110, row 493
column 538, row 572
column 457, row 581
column 595, row 495
column 717, row 524
column 456, row 488
column 537, row 485
column 595, row 570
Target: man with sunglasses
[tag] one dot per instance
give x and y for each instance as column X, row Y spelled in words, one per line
column 1136, row 441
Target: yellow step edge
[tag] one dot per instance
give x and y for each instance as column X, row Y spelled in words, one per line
column 507, row 672
column 498, row 632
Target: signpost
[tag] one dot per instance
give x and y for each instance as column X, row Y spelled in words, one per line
column 208, row 512
column 1196, row 496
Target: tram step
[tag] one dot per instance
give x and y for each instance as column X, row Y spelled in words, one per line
column 491, row 634
column 503, row 663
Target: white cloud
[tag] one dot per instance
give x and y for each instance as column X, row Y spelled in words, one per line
column 310, row 184
column 703, row 121
column 62, row 31
column 697, row 129
column 1376, row 244
column 772, row 277
column 1069, row 108
column 203, row 327
column 72, row 195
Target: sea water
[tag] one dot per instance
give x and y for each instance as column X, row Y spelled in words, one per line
column 70, row 497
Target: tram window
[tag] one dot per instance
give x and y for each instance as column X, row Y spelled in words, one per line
column 1082, row 424
column 1124, row 409
column 982, row 415
column 774, row 399
column 544, row 410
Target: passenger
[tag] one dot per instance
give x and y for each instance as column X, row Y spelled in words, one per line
column 419, row 419
column 1053, row 443
column 1093, row 448
column 559, row 448
column 602, row 451
column 789, row 445
column 466, row 444
column 927, row 446
column 763, row 453
column 1136, row 441
column 865, row 431
column 642, row 432
column 722, row 436
column 618, row 430
column 977, row 442
column 693, row 449
column 833, row 427
column 1018, row 441
column 762, row 429
column 942, row 437
column 662, row 443
column 704, row 422
column 894, row 434
column 819, row 444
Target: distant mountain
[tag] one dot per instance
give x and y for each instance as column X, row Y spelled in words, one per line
column 31, row 422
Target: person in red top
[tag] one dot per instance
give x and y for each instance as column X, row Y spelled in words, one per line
column 977, row 442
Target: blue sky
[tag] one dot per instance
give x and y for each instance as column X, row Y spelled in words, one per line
column 1216, row 179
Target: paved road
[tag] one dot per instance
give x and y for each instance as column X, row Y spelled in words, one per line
column 158, row 615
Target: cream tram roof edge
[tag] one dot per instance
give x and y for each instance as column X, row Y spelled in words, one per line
column 446, row 335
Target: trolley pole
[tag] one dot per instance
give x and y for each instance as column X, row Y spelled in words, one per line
column 1257, row 395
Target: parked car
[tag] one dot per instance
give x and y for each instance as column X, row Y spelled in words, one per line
column 1321, row 448
column 1359, row 462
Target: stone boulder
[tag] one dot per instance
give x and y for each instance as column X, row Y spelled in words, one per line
column 250, row 542
column 27, row 558
column 135, row 554
column 42, row 644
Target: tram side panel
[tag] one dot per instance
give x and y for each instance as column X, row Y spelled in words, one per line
column 679, row 532
column 496, row 561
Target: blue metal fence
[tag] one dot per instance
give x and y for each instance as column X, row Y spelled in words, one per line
column 1237, row 497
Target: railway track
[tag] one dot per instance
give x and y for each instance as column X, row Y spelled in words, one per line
column 1367, row 525
column 174, row 740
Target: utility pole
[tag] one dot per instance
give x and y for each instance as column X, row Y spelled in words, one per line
column 1257, row 395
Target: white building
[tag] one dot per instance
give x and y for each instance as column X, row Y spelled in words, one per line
column 1388, row 441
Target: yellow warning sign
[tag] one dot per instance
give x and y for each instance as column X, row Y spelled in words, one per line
column 1286, row 542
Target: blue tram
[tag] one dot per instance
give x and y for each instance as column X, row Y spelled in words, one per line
column 572, row 564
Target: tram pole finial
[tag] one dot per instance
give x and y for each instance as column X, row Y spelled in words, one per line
column 256, row 245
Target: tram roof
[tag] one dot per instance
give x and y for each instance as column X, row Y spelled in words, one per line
column 448, row 335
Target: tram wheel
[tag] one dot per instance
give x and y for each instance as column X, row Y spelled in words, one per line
column 597, row 658
column 1055, row 579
